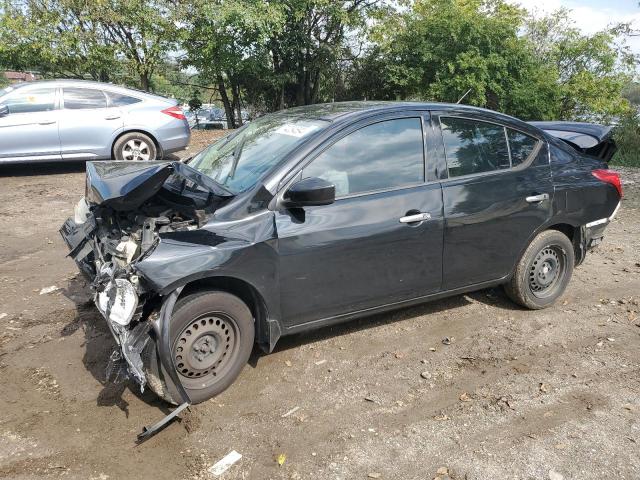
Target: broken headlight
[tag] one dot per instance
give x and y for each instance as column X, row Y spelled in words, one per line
column 118, row 301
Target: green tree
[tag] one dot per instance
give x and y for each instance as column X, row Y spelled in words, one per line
column 277, row 53
column 591, row 70
column 441, row 49
column 534, row 68
column 101, row 39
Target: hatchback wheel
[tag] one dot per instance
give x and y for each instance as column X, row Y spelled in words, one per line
column 135, row 146
column 211, row 336
column 543, row 272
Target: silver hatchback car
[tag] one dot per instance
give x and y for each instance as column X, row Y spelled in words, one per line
column 77, row 119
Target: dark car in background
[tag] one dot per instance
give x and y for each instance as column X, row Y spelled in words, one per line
column 80, row 120
column 317, row 215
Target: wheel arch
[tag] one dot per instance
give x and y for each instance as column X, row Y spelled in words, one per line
column 575, row 233
column 246, row 292
column 137, row 130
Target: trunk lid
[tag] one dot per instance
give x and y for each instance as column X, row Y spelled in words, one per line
column 590, row 138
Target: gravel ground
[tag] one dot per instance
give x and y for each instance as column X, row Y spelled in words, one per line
column 470, row 387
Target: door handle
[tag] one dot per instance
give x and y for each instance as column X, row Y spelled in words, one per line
column 112, row 117
column 418, row 217
column 537, row 198
column 46, row 122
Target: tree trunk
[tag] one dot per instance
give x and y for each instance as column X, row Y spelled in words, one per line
column 235, row 90
column 144, row 81
column 228, row 108
column 315, row 87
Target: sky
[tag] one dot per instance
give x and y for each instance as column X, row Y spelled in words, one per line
column 593, row 15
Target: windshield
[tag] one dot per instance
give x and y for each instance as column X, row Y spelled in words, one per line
column 238, row 161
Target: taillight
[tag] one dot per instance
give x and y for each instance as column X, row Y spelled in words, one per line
column 609, row 176
column 175, row 112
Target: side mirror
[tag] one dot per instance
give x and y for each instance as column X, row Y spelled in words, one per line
column 310, row 192
column 4, row 110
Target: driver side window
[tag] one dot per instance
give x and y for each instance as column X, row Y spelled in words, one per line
column 381, row 156
column 30, row 101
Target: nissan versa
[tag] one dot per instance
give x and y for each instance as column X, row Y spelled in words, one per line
column 316, row 215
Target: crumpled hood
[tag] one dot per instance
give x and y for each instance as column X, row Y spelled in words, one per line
column 124, row 185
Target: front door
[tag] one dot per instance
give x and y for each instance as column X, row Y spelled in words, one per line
column 499, row 192
column 30, row 130
column 379, row 243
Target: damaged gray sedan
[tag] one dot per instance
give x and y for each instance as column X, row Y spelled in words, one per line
column 316, row 215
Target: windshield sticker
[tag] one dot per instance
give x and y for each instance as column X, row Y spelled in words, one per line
column 296, row 130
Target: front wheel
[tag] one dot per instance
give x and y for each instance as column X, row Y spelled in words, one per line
column 543, row 272
column 211, row 336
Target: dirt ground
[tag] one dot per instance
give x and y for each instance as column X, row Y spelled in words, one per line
column 512, row 394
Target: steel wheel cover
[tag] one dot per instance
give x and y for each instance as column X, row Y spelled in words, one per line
column 205, row 349
column 546, row 271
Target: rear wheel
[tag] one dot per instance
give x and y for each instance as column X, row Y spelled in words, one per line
column 211, row 337
column 135, row 146
column 543, row 272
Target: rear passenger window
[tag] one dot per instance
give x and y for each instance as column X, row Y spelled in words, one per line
column 472, row 146
column 83, row 98
column 381, row 156
column 120, row 100
column 521, row 146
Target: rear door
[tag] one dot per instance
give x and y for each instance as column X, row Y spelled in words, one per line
column 497, row 192
column 30, row 130
column 88, row 124
column 362, row 251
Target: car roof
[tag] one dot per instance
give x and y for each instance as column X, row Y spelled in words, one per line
column 348, row 110
column 91, row 84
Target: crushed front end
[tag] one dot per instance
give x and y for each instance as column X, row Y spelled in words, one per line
column 119, row 222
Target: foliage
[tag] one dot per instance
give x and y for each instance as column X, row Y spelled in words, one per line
column 631, row 92
column 591, row 70
column 272, row 54
column 533, row 68
column 627, row 137
column 101, row 39
column 278, row 53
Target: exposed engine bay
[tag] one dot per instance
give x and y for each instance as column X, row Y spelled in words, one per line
column 120, row 222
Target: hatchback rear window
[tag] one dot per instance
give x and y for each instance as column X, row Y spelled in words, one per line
column 120, row 100
column 472, row 146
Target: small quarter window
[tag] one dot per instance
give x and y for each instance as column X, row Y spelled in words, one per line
column 472, row 146
column 83, row 98
column 381, row 156
column 120, row 100
column 521, row 146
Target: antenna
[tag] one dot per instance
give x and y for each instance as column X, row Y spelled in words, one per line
column 462, row 97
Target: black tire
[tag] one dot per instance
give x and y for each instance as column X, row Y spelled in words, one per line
column 543, row 272
column 215, row 331
column 135, row 146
